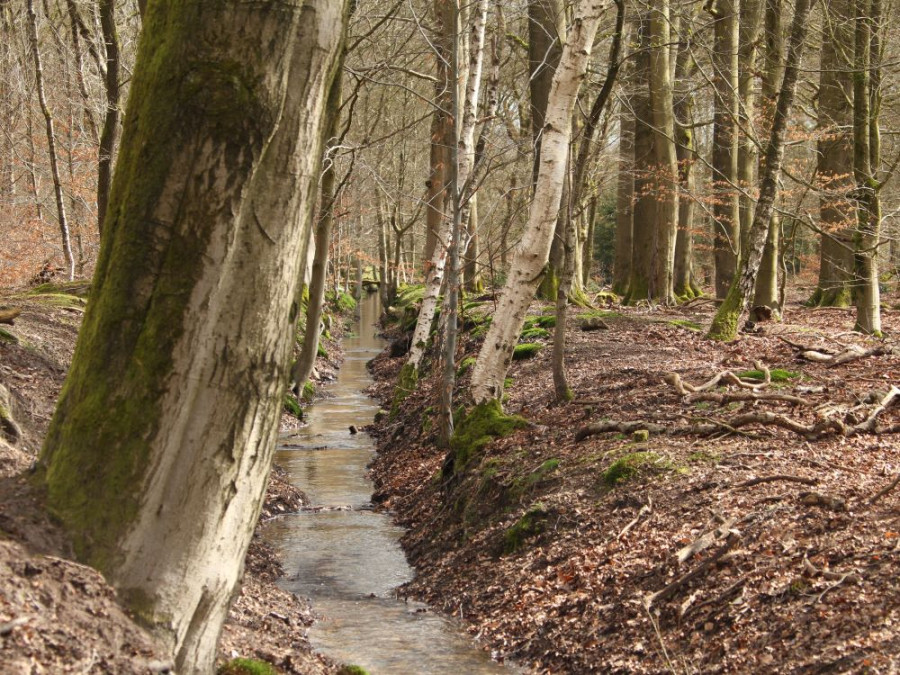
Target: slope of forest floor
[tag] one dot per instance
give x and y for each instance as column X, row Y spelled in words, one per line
column 717, row 549
column 58, row 616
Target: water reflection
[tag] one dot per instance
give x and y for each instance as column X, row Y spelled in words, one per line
column 348, row 561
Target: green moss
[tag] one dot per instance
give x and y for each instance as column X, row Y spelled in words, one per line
column 292, row 406
column 409, row 296
column 725, row 323
column 480, row 426
column 703, row 457
column 549, row 284
column 407, row 382
column 465, row 365
column 64, row 300
column 6, row 336
column 631, row 465
column 526, row 350
column 309, row 392
column 343, row 303
column 530, row 525
column 78, row 288
column 777, row 375
column 534, row 334
column 607, row 297
column 352, row 670
column 246, row 667
column 685, row 323
column 321, row 351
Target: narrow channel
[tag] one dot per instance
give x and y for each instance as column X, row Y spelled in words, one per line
column 345, row 557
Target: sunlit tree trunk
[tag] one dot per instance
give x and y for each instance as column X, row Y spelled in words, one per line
column 530, row 256
column 156, row 459
column 624, row 202
column 111, row 118
column 683, row 268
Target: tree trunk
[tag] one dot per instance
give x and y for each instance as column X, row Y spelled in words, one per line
column 751, row 20
column 156, row 460
column 726, row 218
column 725, row 323
column 51, row 141
column 111, row 118
column 865, row 239
column 624, row 202
column 531, row 254
column 683, row 268
column 471, row 273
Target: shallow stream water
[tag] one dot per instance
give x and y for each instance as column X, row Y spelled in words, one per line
column 345, row 557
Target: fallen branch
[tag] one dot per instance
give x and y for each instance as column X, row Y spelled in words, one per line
column 669, row 590
column 771, row 479
column 855, row 354
column 739, row 396
column 620, row 427
column 883, row 491
column 705, row 541
column 645, row 509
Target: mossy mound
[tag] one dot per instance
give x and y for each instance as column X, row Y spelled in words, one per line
column 521, row 486
column 246, row 667
column 526, row 350
column 480, row 426
column 353, row 670
column 629, row 466
column 292, row 406
column 535, row 333
column 776, row 374
column 548, row 321
column 309, row 392
column 62, row 300
column 80, row 289
column 343, row 303
column 596, row 314
column 531, row 524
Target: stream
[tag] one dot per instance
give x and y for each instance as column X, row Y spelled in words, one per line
column 345, row 557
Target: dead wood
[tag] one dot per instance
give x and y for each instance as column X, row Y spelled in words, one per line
column 855, row 354
column 883, row 491
column 673, row 587
column 771, row 479
column 705, row 541
column 621, row 427
column 825, row 501
column 738, row 396
column 8, row 314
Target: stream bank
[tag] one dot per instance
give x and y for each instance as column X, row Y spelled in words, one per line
column 562, row 553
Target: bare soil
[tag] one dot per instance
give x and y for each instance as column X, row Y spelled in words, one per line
column 58, row 616
column 790, row 545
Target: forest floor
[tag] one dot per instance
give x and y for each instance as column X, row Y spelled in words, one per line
column 58, row 616
column 705, row 546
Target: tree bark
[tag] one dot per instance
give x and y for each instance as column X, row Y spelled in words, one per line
column 683, row 269
column 111, row 118
column 156, row 459
column 531, row 254
column 725, row 213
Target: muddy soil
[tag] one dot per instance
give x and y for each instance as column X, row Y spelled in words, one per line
column 58, row 616
column 751, row 549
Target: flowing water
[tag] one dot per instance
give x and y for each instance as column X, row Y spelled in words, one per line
column 345, row 557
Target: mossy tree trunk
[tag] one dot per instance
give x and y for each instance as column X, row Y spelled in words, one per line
column 725, row 323
column 624, row 200
column 156, row 459
column 530, row 256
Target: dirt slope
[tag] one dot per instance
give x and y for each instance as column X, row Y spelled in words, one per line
column 563, row 553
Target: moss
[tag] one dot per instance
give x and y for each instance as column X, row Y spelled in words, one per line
column 725, row 323
column 685, row 323
column 534, row 334
column 64, row 300
column 530, row 525
column 343, row 303
column 321, row 351
column 6, row 336
column 703, row 457
column 407, row 381
column 526, row 350
column 352, row 670
column 521, row 486
column 549, row 284
column 309, row 392
column 480, row 426
column 292, row 406
column 79, row 288
column 465, row 366
column 777, row 375
column 246, row 667
column 631, row 465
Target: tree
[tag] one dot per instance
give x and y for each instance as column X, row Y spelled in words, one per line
column 156, row 459
column 725, row 322
column 530, row 256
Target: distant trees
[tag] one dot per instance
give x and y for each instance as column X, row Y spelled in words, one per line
column 156, row 459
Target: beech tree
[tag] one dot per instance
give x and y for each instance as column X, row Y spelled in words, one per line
column 156, row 459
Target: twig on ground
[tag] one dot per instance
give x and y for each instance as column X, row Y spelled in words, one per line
column 883, row 491
column 772, row 479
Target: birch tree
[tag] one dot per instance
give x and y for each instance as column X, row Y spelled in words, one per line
column 156, row 459
column 530, row 255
